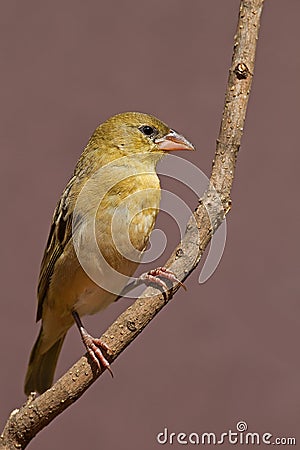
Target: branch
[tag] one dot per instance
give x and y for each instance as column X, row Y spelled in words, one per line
column 25, row 423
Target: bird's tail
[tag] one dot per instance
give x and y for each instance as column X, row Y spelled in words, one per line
column 42, row 366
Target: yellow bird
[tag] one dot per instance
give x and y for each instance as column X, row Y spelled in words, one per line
column 100, row 228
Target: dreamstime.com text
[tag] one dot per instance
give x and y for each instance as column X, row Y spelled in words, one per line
column 239, row 436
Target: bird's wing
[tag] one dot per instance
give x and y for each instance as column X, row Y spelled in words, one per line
column 60, row 234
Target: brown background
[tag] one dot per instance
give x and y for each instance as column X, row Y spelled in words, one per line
column 227, row 350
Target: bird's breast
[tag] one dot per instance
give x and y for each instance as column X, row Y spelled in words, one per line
column 126, row 218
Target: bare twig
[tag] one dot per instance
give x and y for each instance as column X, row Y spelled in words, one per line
column 25, row 423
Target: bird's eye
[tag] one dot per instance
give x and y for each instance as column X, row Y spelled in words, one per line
column 148, row 131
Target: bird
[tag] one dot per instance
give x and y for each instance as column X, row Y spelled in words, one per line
column 99, row 231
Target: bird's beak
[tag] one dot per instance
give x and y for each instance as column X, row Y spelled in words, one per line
column 173, row 141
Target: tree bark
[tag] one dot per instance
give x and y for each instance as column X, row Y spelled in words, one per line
column 24, row 423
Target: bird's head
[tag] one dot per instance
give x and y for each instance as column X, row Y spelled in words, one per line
column 132, row 132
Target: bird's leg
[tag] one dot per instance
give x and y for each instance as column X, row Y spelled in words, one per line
column 93, row 345
column 154, row 276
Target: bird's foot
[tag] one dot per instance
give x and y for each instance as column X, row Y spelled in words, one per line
column 94, row 347
column 156, row 276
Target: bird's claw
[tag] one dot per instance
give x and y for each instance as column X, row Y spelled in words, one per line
column 94, row 347
column 154, row 277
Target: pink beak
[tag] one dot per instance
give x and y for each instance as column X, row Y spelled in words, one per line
column 174, row 141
